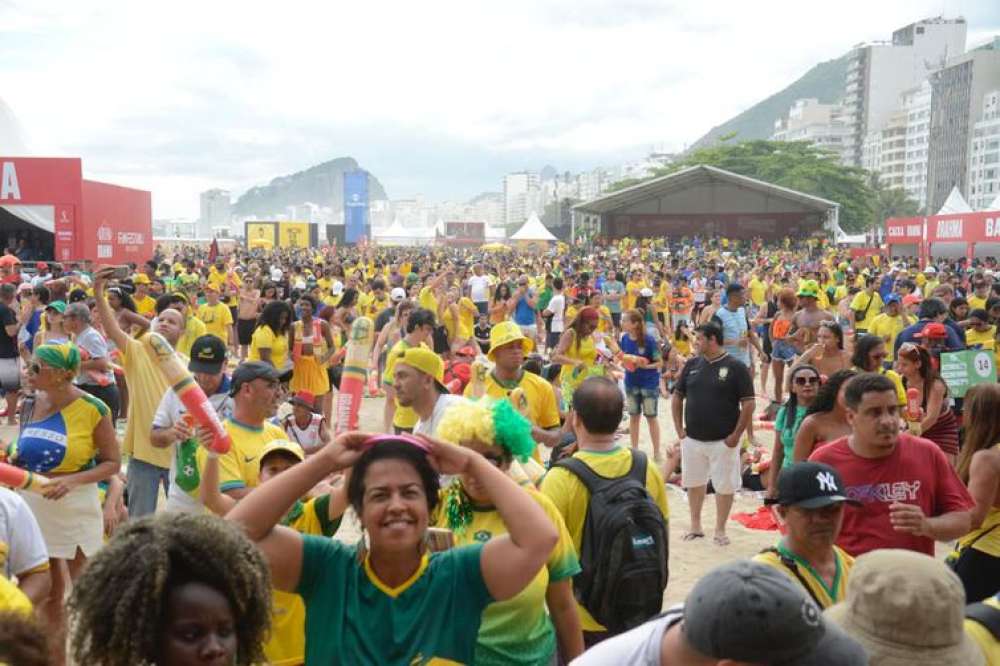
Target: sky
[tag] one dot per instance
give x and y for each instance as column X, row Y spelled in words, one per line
column 437, row 98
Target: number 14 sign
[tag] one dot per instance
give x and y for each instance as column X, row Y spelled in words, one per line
column 964, row 369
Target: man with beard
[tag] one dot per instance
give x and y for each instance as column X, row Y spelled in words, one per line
column 910, row 496
column 811, row 503
column 148, row 466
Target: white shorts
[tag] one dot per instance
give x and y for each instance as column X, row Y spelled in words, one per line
column 701, row 461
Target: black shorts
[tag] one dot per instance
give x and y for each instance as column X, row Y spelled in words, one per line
column 616, row 319
column 441, row 345
column 552, row 340
column 244, row 330
column 334, row 374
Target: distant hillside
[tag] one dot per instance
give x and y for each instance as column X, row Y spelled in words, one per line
column 825, row 82
column 322, row 184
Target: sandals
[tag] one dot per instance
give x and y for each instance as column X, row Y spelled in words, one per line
column 691, row 536
column 721, row 540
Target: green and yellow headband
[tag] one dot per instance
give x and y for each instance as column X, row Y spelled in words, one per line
column 63, row 356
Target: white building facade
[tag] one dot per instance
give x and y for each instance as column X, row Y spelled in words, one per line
column 984, row 156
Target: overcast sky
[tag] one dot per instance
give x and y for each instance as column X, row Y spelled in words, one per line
column 440, row 98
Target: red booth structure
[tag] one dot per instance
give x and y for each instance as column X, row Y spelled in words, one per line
column 73, row 218
column 953, row 235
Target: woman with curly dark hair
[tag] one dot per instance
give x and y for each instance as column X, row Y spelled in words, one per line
column 271, row 339
column 172, row 589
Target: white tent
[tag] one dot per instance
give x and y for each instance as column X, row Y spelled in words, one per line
column 533, row 230
column 397, row 234
column 955, row 203
column 995, row 205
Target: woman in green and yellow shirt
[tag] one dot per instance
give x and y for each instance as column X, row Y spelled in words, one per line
column 516, row 631
column 388, row 600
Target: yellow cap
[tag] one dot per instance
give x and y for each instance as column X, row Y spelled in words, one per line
column 281, row 445
column 427, row 362
column 505, row 333
column 141, row 278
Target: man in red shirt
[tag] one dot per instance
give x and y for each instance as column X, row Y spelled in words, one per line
column 910, row 495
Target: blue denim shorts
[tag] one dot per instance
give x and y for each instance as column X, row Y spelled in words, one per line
column 783, row 351
column 642, row 400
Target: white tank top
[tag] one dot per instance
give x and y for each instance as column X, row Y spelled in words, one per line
column 308, row 437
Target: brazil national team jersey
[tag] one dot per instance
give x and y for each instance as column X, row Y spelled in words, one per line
column 354, row 618
column 518, row 630
column 825, row 595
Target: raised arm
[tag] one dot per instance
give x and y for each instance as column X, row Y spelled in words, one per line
column 104, row 312
column 260, row 511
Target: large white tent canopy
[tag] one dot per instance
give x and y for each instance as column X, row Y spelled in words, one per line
column 533, row 230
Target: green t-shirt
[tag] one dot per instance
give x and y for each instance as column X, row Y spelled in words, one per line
column 352, row 617
column 788, row 430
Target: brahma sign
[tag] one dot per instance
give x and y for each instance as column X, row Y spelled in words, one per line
column 91, row 220
column 969, row 228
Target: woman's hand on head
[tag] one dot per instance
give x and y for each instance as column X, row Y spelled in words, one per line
column 448, row 458
column 344, row 450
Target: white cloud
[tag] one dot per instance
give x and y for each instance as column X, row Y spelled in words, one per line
column 181, row 96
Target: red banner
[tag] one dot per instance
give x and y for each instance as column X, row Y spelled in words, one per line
column 117, row 225
column 65, row 232
column 982, row 227
column 40, row 180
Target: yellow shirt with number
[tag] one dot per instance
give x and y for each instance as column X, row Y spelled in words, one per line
column 287, row 643
column 218, row 320
column 571, row 498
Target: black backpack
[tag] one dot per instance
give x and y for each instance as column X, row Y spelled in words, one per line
column 623, row 552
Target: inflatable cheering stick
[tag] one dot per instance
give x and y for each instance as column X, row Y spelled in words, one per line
column 352, row 381
column 913, row 406
column 21, row 479
column 190, row 394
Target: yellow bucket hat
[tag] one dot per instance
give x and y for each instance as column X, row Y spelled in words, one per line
column 505, row 333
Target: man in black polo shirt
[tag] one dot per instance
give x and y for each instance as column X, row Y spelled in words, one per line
column 715, row 396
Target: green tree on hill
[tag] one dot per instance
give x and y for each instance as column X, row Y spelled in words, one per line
column 797, row 165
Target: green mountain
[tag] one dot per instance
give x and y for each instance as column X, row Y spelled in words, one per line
column 825, row 82
column 322, row 184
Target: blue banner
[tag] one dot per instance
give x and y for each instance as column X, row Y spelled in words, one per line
column 356, row 224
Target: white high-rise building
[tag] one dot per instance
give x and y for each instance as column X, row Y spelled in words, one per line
column 916, row 104
column 877, row 73
column 884, row 151
column 820, row 124
column 984, row 158
column 216, row 211
column 521, row 196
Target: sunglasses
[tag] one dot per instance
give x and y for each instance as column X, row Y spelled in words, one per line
column 806, row 381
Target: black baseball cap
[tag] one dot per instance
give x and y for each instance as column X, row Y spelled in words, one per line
column 251, row 370
column 810, row 485
column 208, row 355
column 751, row 612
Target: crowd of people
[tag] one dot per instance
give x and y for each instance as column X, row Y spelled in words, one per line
column 507, row 512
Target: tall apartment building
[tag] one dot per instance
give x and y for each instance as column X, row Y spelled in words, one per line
column 216, row 211
column 956, row 107
column 984, row 158
column 916, row 104
column 820, row 124
column 521, row 196
column 877, row 73
column 884, row 151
